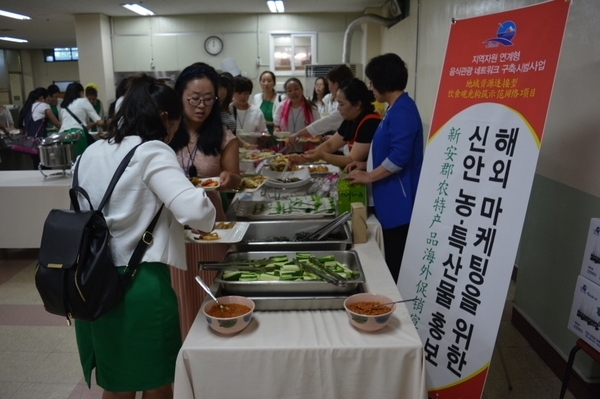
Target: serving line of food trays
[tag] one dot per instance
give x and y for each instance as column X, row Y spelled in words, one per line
column 290, row 295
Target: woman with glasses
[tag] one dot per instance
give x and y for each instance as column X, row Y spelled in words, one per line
column 204, row 148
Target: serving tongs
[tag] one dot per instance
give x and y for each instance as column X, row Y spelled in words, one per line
column 329, row 227
column 322, row 272
column 243, row 264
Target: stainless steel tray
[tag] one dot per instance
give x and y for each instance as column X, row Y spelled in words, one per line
column 292, row 288
column 258, row 232
column 317, row 302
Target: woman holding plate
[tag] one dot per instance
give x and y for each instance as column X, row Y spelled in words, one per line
column 204, row 148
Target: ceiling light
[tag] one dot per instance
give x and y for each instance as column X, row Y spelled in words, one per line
column 138, row 9
column 275, row 5
column 13, row 39
column 13, row 15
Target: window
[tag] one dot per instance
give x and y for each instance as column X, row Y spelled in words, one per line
column 290, row 52
column 61, row 54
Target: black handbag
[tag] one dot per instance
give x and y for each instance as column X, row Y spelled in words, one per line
column 76, row 275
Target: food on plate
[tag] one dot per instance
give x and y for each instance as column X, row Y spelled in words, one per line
column 229, row 310
column 204, row 182
column 289, row 180
column 318, row 169
column 252, row 181
column 369, row 308
column 224, row 225
column 209, row 237
column 311, row 139
column 209, row 183
column 257, row 156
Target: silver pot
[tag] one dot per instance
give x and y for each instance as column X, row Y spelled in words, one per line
column 59, row 155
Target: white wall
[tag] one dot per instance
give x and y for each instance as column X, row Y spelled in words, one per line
column 177, row 41
column 44, row 73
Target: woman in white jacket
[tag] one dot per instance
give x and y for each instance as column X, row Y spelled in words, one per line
column 134, row 346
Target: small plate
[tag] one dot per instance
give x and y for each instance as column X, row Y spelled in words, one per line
column 321, row 169
column 227, row 236
column 255, row 156
column 241, row 133
column 314, row 140
column 206, row 180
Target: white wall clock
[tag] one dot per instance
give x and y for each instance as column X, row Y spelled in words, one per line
column 213, row 45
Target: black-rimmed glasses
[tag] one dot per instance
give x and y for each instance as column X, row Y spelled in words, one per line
column 194, row 102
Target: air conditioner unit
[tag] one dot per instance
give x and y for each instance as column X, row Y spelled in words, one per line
column 314, row 71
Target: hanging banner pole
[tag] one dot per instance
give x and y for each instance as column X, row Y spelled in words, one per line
column 479, row 165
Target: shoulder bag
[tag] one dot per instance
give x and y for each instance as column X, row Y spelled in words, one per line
column 76, row 275
column 87, row 134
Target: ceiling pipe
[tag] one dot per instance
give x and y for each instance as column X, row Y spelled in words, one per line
column 387, row 22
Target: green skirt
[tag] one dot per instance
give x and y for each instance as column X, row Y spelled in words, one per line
column 81, row 144
column 134, row 346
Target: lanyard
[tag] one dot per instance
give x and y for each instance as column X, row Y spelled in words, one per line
column 295, row 118
column 191, row 168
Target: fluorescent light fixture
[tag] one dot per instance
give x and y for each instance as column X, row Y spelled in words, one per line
column 275, row 5
column 13, row 15
column 13, row 39
column 138, row 9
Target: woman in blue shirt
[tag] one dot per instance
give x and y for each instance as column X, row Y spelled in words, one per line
column 394, row 163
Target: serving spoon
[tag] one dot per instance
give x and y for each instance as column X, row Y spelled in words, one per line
column 390, row 303
column 208, row 291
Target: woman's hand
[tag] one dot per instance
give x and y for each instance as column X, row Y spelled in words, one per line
column 296, row 159
column 361, row 165
column 313, row 155
column 229, row 180
column 358, row 176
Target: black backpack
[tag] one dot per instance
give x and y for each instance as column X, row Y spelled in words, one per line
column 76, row 276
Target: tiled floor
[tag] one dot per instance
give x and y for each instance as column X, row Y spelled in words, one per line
column 38, row 354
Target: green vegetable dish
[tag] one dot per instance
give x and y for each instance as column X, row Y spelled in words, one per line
column 282, row 268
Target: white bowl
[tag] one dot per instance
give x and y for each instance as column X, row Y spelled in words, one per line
column 229, row 325
column 282, row 135
column 369, row 322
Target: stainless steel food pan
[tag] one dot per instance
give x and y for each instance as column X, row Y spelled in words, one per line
column 258, row 235
column 292, row 288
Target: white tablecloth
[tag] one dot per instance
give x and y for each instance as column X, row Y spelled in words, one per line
column 307, row 354
column 25, row 201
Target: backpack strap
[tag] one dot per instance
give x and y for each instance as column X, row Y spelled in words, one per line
column 140, row 249
column 111, row 186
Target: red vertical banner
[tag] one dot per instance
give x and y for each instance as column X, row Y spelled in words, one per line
column 479, row 165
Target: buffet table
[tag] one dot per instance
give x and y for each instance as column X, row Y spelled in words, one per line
column 307, row 354
column 26, row 198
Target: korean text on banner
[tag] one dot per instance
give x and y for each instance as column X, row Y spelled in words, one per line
column 486, row 131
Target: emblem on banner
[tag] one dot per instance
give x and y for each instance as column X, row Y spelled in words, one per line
column 505, row 33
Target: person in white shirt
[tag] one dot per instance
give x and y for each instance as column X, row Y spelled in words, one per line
column 268, row 100
column 134, row 347
column 332, row 118
column 295, row 113
column 35, row 113
column 249, row 118
column 74, row 112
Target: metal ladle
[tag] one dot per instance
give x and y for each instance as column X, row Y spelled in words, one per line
column 208, row 291
column 390, row 303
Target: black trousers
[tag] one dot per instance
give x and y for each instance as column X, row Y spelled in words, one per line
column 394, row 240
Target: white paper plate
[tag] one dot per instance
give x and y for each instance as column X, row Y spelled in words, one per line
column 261, row 155
column 228, row 236
column 211, row 188
column 330, row 168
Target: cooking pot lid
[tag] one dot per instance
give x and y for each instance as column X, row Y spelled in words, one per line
column 52, row 139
